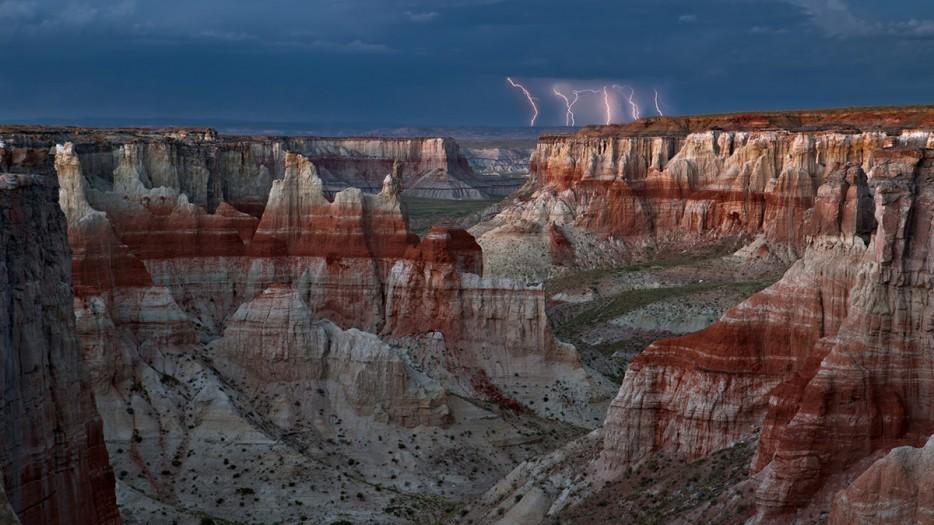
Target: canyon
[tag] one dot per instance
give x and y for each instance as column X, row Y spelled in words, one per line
column 319, row 360
column 718, row 318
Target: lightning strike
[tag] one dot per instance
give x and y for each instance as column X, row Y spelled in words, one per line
column 568, row 114
column 527, row 96
column 606, row 105
column 633, row 107
column 658, row 107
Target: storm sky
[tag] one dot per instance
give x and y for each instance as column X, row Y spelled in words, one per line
column 444, row 62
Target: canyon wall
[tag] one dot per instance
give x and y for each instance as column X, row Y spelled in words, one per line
column 55, row 467
column 832, row 363
column 827, row 368
column 626, row 193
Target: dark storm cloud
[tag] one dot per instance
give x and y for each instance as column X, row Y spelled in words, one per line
column 396, row 62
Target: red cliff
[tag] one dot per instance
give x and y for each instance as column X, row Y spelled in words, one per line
column 619, row 192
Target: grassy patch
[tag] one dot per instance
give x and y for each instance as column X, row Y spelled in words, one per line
column 586, row 315
column 594, row 277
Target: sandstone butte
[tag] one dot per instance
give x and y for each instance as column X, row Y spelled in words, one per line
column 830, row 368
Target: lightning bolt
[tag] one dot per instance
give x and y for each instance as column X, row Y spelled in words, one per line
column 569, row 104
column 527, row 96
column 578, row 92
column 633, row 107
column 606, row 105
column 658, row 107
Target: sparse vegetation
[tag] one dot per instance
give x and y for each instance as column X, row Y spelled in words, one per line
column 423, row 213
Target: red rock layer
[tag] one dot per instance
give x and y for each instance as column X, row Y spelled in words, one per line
column 888, row 119
column 166, row 227
column 300, row 221
column 895, row 490
column 874, row 389
column 710, row 184
column 833, row 361
column 453, row 247
column 52, row 454
column 100, row 261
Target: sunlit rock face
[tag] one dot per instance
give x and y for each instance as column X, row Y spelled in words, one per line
column 52, row 455
column 827, row 368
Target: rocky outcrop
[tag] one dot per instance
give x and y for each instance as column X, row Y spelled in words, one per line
column 896, row 489
column 55, row 467
column 210, row 169
column 623, row 192
column 502, row 161
column 296, row 369
column 432, row 168
column 300, row 221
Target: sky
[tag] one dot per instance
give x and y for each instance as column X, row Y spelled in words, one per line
column 445, row 62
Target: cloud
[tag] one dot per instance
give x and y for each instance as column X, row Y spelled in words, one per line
column 421, row 17
column 359, row 46
column 836, row 19
column 229, row 36
column 356, row 47
column 29, row 17
column 766, row 30
column 687, row 19
column 833, row 17
column 17, row 10
column 74, row 15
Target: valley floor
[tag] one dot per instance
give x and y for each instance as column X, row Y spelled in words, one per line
column 612, row 314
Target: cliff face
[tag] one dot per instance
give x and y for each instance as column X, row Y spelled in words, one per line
column 616, row 196
column 273, row 346
column 896, row 489
column 211, row 169
column 55, row 467
column 873, row 388
column 501, row 161
column 431, row 167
